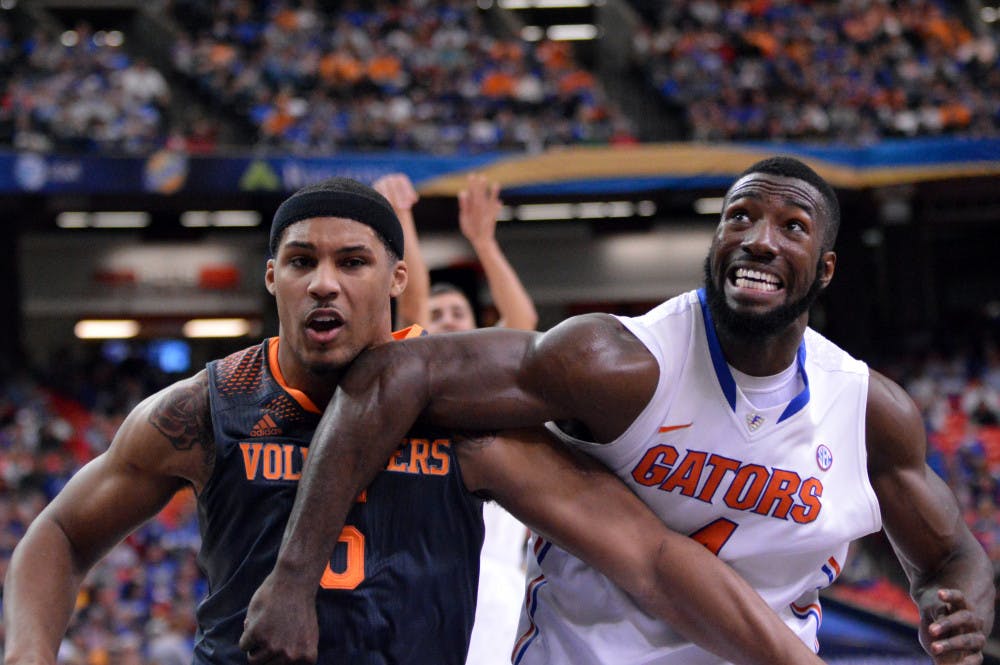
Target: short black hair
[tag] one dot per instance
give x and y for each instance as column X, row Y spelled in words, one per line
column 790, row 167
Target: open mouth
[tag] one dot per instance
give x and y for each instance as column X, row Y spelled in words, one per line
column 323, row 326
column 755, row 280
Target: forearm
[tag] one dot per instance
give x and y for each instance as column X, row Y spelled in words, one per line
column 968, row 569
column 363, row 425
column 577, row 504
column 39, row 595
column 509, row 295
column 707, row 602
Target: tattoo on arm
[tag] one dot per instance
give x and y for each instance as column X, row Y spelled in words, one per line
column 183, row 418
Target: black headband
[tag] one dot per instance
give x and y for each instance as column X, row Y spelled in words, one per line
column 340, row 197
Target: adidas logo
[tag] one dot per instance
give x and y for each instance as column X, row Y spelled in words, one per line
column 265, row 427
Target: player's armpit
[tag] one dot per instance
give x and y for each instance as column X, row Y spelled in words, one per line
column 582, row 507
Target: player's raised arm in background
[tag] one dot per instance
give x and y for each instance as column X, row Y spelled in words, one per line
column 412, row 304
column 479, row 208
column 951, row 578
column 589, row 366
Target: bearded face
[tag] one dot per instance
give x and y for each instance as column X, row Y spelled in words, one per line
column 753, row 323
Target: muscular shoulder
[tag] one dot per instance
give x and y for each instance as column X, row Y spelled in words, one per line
column 181, row 412
column 594, row 343
column 171, row 432
column 894, row 429
column 606, row 373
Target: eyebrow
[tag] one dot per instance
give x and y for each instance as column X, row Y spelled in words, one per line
column 349, row 249
column 752, row 194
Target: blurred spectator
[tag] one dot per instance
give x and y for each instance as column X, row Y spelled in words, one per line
column 80, row 93
column 981, row 403
column 137, row 606
column 199, row 136
column 411, row 75
column 853, row 72
column 143, row 84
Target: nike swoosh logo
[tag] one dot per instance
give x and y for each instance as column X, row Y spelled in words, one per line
column 671, row 428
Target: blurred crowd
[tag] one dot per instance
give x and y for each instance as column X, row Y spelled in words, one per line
column 79, row 92
column 960, row 399
column 854, row 72
column 414, row 75
column 138, row 605
column 433, row 76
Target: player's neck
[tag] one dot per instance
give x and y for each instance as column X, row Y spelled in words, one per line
column 763, row 355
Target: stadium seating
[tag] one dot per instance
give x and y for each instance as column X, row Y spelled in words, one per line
column 824, row 71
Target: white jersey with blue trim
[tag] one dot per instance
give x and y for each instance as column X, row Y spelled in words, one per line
column 777, row 493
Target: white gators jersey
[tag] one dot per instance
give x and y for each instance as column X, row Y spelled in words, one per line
column 777, row 493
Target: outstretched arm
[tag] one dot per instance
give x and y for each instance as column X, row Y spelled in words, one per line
column 157, row 450
column 950, row 576
column 579, row 505
column 588, row 367
column 412, row 305
column 478, row 209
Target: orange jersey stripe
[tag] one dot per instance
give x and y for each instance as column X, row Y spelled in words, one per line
column 408, row 332
column 297, row 395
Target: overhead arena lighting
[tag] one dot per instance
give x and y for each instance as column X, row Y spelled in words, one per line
column 220, row 218
column 537, row 211
column 533, row 212
column 571, row 33
column 541, row 4
column 708, row 206
column 124, row 219
column 560, row 33
column 217, row 328
column 106, row 328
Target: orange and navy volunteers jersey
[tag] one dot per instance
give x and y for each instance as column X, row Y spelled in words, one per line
column 401, row 583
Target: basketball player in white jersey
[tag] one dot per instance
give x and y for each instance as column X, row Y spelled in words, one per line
column 734, row 421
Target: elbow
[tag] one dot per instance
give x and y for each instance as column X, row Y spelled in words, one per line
column 653, row 588
column 651, row 601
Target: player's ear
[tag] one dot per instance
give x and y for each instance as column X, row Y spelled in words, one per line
column 269, row 276
column 828, row 262
column 399, row 278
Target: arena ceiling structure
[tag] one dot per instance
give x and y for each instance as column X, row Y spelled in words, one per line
column 916, row 213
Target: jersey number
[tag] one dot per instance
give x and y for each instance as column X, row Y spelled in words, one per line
column 715, row 535
column 354, row 571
